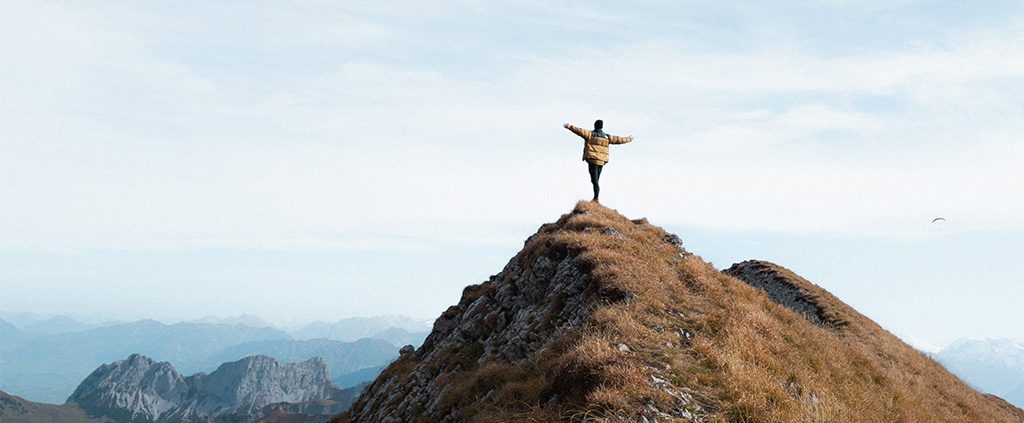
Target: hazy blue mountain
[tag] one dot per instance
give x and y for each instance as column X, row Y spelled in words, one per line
column 355, row 328
column 340, row 357
column 400, row 337
column 46, row 368
column 20, row 318
column 357, row 377
column 995, row 366
column 56, row 325
column 10, row 336
column 244, row 319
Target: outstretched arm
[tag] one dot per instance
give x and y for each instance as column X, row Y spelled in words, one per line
column 577, row 130
column 619, row 140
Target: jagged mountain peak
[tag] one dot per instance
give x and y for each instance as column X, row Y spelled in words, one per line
column 139, row 389
column 604, row 318
column 136, row 389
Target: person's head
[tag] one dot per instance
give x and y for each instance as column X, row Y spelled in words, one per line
column 598, row 124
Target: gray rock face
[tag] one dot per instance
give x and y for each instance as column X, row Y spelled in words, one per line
column 507, row 319
column 779, row 289
column 134, row 389
column 139, row 389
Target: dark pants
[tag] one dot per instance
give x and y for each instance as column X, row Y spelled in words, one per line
column 595, row 174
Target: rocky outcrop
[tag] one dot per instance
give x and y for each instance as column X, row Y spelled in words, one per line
column 536, row 306
column 507, row 319
column 789, row 290
column 139, row 389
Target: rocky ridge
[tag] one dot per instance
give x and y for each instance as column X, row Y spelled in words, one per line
column 139, row 389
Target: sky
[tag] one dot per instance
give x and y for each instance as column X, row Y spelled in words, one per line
column 319, row 160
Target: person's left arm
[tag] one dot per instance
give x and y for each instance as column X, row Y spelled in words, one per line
column 613, row 139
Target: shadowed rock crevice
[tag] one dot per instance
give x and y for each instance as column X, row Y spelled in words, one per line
column 788, row 290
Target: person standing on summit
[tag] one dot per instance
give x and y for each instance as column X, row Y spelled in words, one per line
column 595, row 149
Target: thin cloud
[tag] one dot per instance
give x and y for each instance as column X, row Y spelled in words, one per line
column 138, row 147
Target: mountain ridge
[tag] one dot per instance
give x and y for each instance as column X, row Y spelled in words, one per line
column 46, row 368
column 991, row 365
column 139, row 389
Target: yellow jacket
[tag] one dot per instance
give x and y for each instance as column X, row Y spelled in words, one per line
column 595, row 149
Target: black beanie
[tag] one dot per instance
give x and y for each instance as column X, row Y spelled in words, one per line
column 598, row 124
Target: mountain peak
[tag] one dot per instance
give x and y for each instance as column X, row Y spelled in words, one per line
column 141, row 389
column 610, row 318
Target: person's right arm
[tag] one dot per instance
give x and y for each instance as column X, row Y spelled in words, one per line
column 578, row 131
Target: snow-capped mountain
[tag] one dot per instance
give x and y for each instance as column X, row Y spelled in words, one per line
column 992, row 365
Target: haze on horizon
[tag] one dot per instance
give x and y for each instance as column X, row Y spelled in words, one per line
column 316, row 161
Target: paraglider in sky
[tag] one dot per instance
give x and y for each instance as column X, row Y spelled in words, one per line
column 938, row 219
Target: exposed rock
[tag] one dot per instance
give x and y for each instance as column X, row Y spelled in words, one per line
column 789, row 290
column 673, row 239
column 506, row 320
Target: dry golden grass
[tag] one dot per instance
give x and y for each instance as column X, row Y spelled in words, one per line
column 748, row 359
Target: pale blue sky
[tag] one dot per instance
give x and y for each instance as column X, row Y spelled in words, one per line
column 318, row 160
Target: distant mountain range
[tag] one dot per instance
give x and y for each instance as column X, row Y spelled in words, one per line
column 355, row 328
column 342, row 358
column 139, row 389
column 56, row 325
column 995, row 366
column 244, row 319
column 45, row 359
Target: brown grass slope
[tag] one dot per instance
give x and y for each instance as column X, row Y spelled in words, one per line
column 652, row 330
column 15, row 409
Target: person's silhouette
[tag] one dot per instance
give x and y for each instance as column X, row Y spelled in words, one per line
column 595, row 149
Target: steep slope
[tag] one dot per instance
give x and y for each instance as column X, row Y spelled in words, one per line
column 139, row 389
column 601, row 318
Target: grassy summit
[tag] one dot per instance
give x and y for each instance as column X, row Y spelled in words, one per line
column 602, row 318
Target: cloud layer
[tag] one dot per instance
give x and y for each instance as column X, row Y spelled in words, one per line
column 350, row 126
